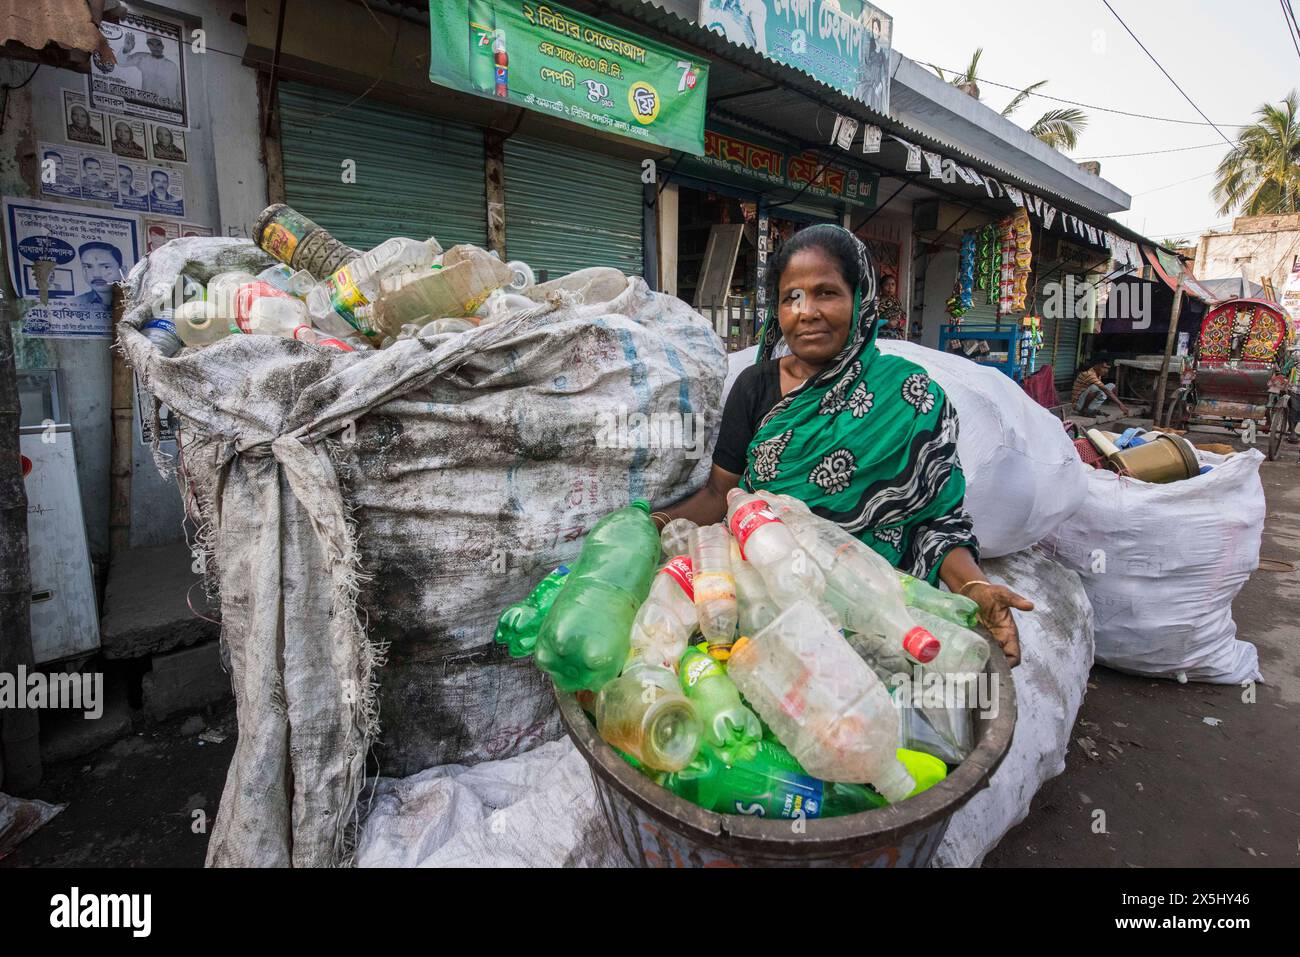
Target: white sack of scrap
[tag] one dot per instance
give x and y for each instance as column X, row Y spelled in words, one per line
column 1023, row 476
column 1162, row 565
column 1056, row 650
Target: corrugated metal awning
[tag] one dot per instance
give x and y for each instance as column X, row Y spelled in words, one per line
column 62, row 33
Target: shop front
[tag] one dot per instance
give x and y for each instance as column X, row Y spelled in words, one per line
column 735, row 206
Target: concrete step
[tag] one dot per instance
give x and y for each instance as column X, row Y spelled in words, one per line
column 147, row 603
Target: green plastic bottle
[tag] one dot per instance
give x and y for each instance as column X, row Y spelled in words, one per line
column 957, row 609
column 519, row 624
column 586, row 636
column 729, row 726
column 769, row 784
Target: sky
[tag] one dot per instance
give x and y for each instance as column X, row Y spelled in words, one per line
column 1230, row 56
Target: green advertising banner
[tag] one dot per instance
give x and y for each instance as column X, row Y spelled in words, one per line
column 554, row 60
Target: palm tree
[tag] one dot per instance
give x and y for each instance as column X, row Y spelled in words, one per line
column 1059, row 129
column 1261, row 174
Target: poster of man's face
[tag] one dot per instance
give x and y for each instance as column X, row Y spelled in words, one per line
column 128, row 138
column 167, row 143
column 96, row 180
column 166, row 191
column 83, row 125
column 147, row 78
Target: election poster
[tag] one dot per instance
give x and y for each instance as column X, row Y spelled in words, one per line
column 64, row 260
column 148, row 80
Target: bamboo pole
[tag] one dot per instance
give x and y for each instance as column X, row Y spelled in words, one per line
column 1158, row 413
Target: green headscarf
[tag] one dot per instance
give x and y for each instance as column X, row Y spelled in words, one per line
column 870, row 442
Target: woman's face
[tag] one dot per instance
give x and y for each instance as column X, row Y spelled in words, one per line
column 815, row 306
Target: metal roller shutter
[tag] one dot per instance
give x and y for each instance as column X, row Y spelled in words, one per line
column 415, row 176
column 567, row 209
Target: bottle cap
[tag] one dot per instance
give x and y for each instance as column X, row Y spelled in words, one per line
column 921, row 645
column 642, row 504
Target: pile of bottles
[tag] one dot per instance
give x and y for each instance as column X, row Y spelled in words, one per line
column 756, row 666
column 333, row 296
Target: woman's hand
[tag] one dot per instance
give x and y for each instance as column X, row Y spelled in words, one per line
column 996, row 602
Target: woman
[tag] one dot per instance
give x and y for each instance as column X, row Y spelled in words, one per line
column 892, row 322
column 865, row 439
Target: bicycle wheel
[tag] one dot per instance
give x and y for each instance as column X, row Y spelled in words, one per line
column 1277, row 423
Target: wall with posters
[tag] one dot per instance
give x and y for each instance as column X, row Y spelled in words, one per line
column 169, row 141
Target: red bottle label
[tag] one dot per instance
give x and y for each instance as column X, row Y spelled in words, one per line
column 748, row 519
column 679, row 570
column 921, row 645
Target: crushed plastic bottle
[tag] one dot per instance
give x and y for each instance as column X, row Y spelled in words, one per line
column 754, row 609
column 519, row 624
column 786, row 569
column 769, row 783
column 585, row 639
column 715, row 587
column 202, row 323
column 861, row 586
column 822, row 701
column 728, row 725
column 675, row 539
column 276, row 316
column 666, row 620
column 358, row 283
column 644, row 713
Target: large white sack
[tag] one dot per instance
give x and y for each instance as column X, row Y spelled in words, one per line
column 537, row 810
column 1056, row 648
column 1023, row 477
column 1162, row 565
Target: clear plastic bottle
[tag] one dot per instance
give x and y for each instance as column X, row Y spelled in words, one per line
column 861, row 586
column 787, row 570
column 728, row 725
column 822, row 701
column 277, row 316
column 644, row 713
column 666, row 620
column 675, row 539
column 715, row 586
column 962, row 653
column 358, row 283
column 202, row 323
column 755, row 610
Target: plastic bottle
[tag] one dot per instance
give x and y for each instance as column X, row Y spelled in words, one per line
column 222, row 288
column 861, row 586
column 769, row 783
column 962, row 652
column 318, row 338
column 162, row 333
column 666, row 620
column 675, row 539
column 943, row 732
column 276, row 316
column 519, row 624
column 288, row 280
column 585, row 639
column 755, row 610
column 439, row 326
column 715, row 587
column 957, row 609
column 728, row 725
column 358, row 283
column 822, row 701
column 766, row 543
column 644, row 713
column 522, row 276
column 202, row 323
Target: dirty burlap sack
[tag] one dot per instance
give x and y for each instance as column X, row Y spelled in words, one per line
column 354, row 506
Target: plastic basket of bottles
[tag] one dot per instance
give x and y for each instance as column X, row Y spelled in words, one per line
column 766, row 691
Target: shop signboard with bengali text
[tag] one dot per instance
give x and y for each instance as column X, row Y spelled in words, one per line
column 549, row 58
